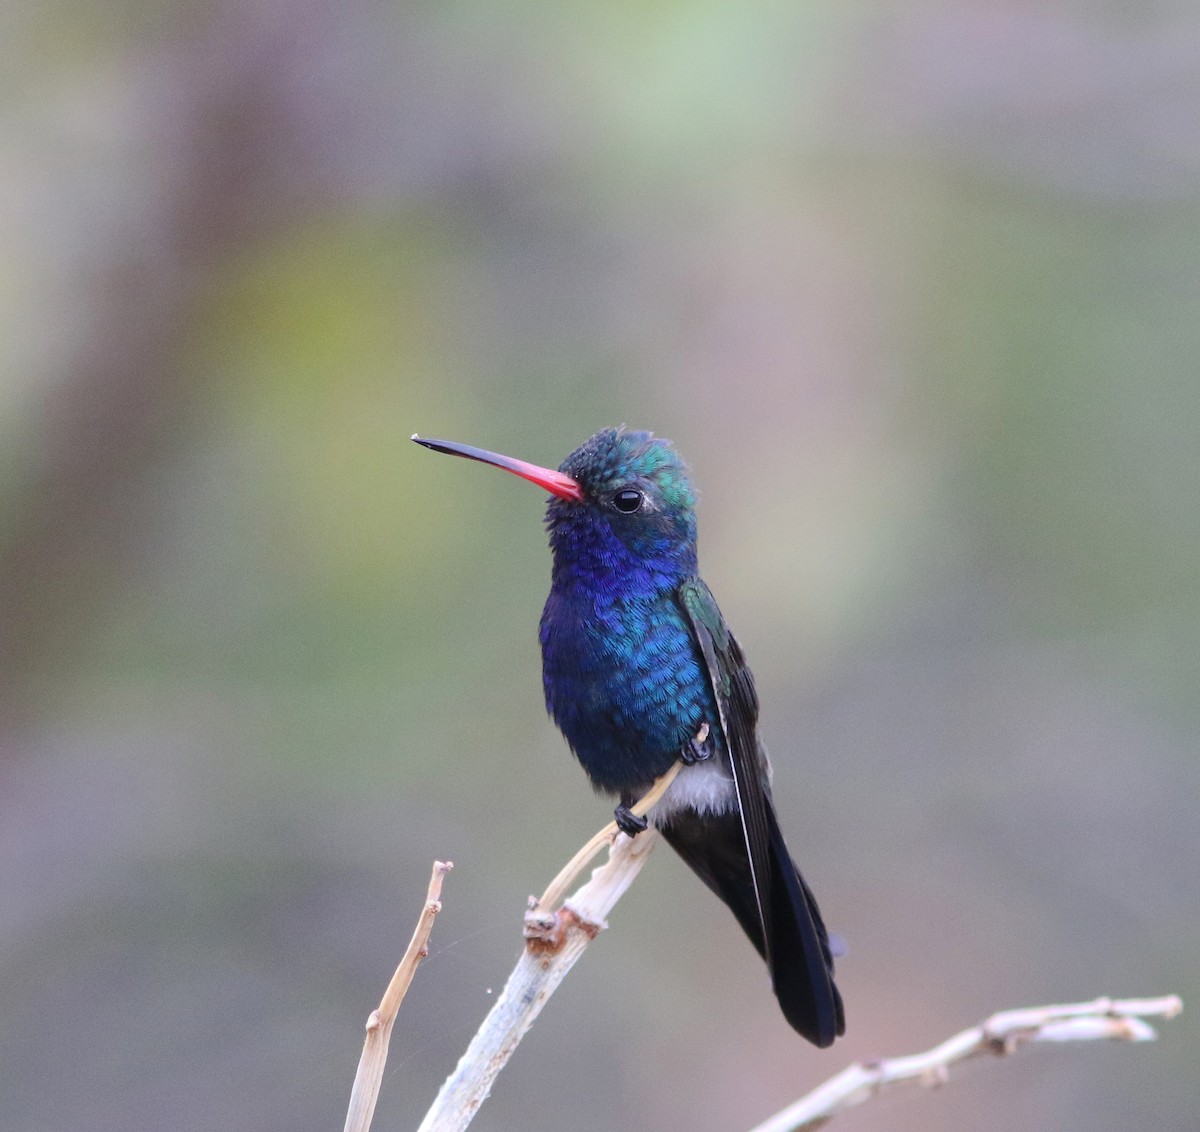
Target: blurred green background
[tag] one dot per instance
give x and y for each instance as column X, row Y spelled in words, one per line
column 915, row 288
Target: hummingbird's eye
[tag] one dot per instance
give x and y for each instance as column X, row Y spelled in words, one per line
column 627, row 501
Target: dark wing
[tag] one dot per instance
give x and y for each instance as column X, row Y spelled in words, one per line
column 737, row 708
column 782, row 918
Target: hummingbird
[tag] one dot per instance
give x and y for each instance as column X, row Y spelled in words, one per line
column 640, row 671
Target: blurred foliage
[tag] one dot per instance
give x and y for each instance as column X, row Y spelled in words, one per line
column 913, row 287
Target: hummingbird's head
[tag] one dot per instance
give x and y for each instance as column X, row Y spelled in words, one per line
column 636, row 515
column 621, row 500
column 635, row 480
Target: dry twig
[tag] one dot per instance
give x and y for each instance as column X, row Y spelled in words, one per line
column 1001, row 1034
column 365, row 1092
column 553, row 943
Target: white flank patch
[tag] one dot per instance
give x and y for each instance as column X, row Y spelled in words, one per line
column 705, row 787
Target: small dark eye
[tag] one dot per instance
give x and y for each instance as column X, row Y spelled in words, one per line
column 627, row 501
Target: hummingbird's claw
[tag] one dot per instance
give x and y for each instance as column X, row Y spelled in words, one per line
column 628, row 822
column 699, row 748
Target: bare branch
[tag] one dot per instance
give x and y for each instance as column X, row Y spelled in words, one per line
column 365, row 1092
column 1001, row 1034
column 553, row 943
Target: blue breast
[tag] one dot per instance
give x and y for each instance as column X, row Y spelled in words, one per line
column 623, row 680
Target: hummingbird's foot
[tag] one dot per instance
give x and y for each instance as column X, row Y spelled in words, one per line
column 628, row 822
column 699, row 748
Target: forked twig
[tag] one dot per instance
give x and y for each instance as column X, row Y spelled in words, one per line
column 554, row 940
column 566, row 877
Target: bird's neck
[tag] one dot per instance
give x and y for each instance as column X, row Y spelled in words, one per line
column 590, row 559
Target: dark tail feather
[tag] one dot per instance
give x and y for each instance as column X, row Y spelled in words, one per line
column 796, row 947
